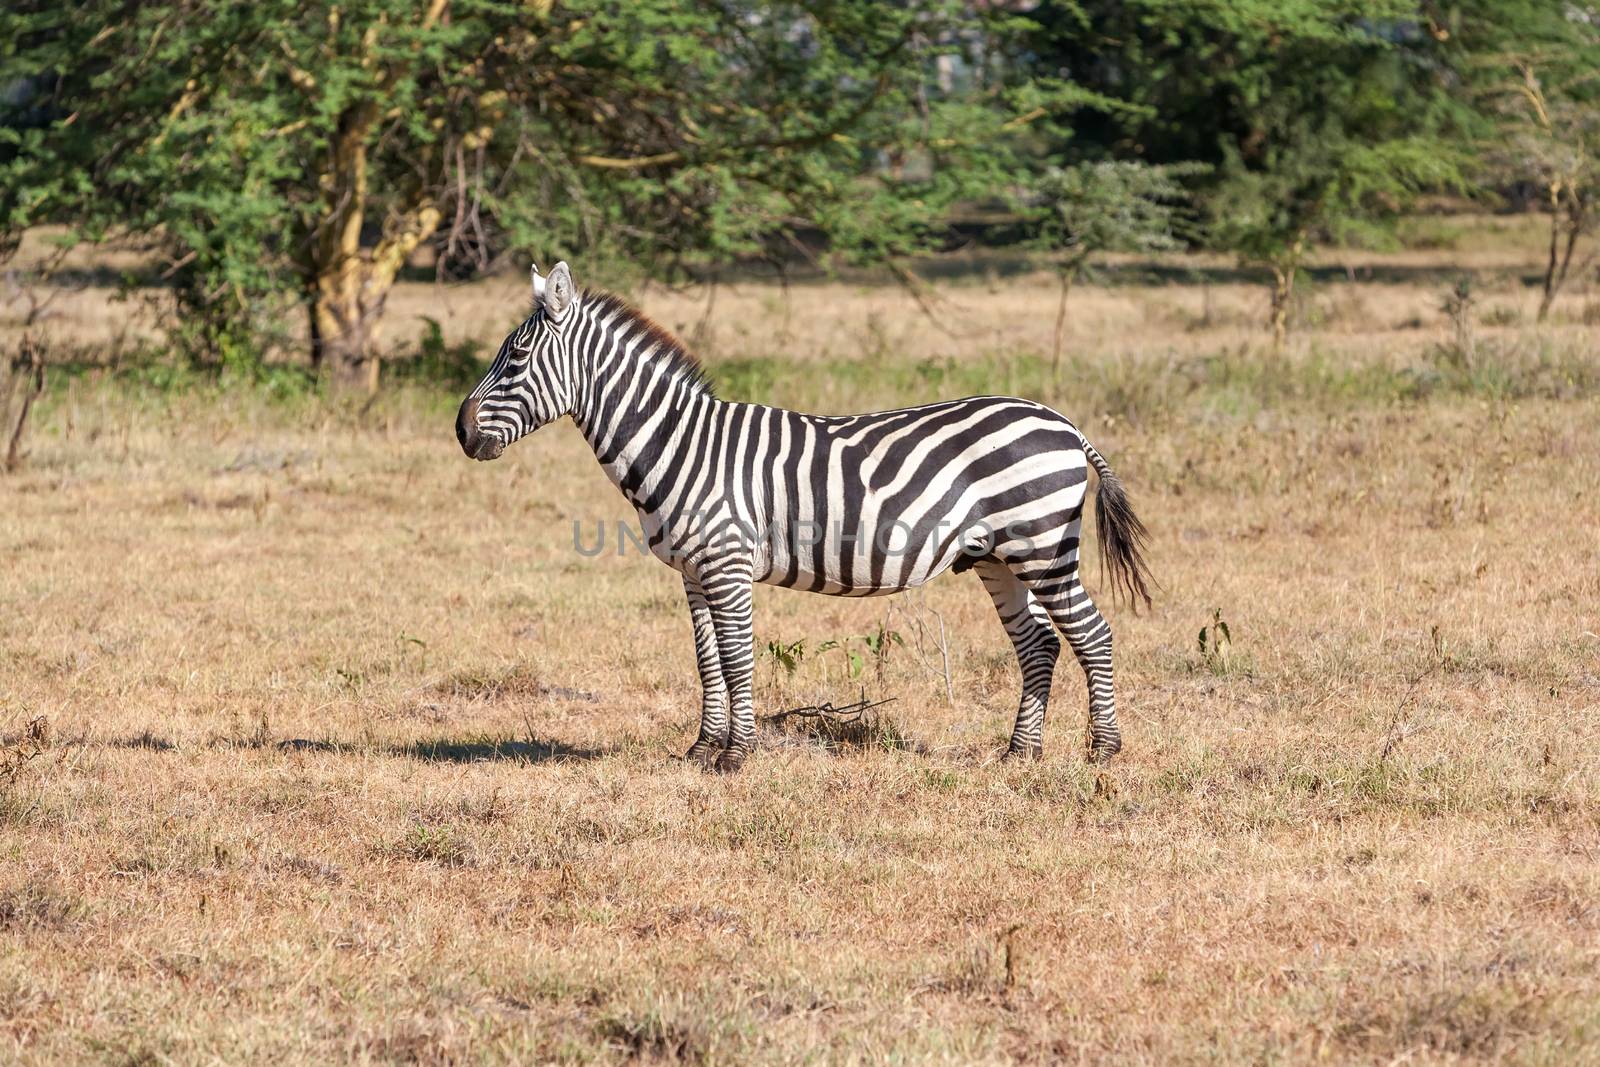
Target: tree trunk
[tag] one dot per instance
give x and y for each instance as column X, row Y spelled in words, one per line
column 346, row 286
column 344, row 338
column 1061, row 323
column 1554, row 272
column 1284, row 271
column 1549, row 295
column 1560, row 261
column 345, row 300
column 27, row 372
column 1282, row 293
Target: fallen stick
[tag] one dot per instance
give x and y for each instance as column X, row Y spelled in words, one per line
column 847, row 714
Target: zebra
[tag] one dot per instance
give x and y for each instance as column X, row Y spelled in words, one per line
column 730, row 494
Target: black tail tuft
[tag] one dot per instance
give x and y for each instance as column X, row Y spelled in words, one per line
column 1122, row 539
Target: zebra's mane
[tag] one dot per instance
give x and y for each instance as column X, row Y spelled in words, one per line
column 659, row 343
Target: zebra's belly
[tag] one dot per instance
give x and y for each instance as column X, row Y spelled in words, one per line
column 873, row 560
column 848, row 566
column 833, row 583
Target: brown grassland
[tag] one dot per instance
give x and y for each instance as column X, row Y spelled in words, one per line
column 351, row 757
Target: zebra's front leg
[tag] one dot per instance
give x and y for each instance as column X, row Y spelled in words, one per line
column 713, row 691
column 727, row 593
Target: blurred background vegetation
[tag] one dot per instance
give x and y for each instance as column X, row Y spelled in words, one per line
column 281, row 164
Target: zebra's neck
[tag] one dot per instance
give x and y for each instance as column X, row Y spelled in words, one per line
column 637, row 387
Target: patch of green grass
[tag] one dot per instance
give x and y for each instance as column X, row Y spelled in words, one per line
column 1233, row 383
column 441, row 845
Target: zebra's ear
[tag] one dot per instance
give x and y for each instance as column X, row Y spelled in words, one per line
column 558, row 291
column 538, row 285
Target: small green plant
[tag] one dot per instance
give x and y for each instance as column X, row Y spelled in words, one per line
column 881, row 643
column 856, row 650
column 1216, row 644
column 842, row 645
column 787, row 657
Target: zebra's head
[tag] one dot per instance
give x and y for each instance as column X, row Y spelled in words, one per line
column 530, row 381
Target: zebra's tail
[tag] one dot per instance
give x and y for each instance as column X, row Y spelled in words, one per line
column 1122, row 535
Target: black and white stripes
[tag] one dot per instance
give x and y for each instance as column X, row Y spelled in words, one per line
column 730, row 494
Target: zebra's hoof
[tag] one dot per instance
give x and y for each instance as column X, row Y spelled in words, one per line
column 704, row 753
column 1101, row 751
column 1023, row 753
column 731, row 760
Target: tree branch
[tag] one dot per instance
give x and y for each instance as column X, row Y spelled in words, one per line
column 414, row 227
column 634, row 163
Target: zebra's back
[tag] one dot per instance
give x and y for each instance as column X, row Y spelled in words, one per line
column 863, row 504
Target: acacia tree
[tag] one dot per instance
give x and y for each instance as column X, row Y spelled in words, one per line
column 309, row 148
column 1350, row 121
column 1320, row 119
column 1107, row 206
column 1555, row 140
column 1316, row 183
column 1535, row 66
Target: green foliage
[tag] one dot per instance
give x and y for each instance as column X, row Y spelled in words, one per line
column 881, row 642
column 852, row 657
column 1320, row 119
column 1344, row 129
column 456, row 365
column 878, row 644
column 1111, row 206
column 278, row 152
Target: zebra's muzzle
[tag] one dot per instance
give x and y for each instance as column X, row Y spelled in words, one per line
column 474, row 442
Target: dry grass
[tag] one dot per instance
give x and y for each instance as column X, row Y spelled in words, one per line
column 352, row 757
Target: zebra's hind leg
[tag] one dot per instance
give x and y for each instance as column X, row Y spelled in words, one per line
column 713, row 691
column 1034, row 638
column 727, row 593
column 1060, row 590
column 1089, row 636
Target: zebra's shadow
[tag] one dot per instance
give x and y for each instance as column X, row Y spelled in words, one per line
column 465, row 750
column 484, row 750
